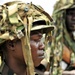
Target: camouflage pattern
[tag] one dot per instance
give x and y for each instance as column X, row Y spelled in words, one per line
column 59, row 19
column 17, row 21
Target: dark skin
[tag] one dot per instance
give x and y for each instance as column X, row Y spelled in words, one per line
column 14, row 56
column 70, row 20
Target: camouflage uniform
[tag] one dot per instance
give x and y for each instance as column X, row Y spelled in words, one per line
column 18, row 24
column 62, row 35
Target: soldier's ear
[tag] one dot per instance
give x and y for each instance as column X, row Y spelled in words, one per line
column 10, row 45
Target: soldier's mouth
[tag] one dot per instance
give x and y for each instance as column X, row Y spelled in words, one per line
column 72, row 27
column 40, row 54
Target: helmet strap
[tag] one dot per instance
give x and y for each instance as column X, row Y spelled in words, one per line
column 26, row 47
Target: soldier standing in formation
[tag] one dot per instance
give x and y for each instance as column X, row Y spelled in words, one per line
column 64, row 17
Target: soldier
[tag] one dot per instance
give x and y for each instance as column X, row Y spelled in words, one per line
column 21, row 29
column 64, row 16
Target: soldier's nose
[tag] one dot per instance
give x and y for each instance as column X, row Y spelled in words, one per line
column 40, row 35
column 41, row 46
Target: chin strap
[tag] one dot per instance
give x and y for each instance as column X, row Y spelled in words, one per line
column 27, row 49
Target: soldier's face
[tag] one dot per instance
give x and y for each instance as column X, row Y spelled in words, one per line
column 70, row 19
column 37, row 48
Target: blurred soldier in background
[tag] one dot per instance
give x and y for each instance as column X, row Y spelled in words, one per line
column 64, row 17
column 21, row 29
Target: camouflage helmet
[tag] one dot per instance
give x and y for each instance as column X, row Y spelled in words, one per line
column 16, row 15
column 63, row 5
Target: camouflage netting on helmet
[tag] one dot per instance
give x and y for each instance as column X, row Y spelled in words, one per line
column 16, row 20
column 12, row 18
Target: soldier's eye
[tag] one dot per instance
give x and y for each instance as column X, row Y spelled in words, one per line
column 36, row 32
column 69, row 13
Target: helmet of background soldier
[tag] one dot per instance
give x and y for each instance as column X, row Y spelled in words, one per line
column 61, row 6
